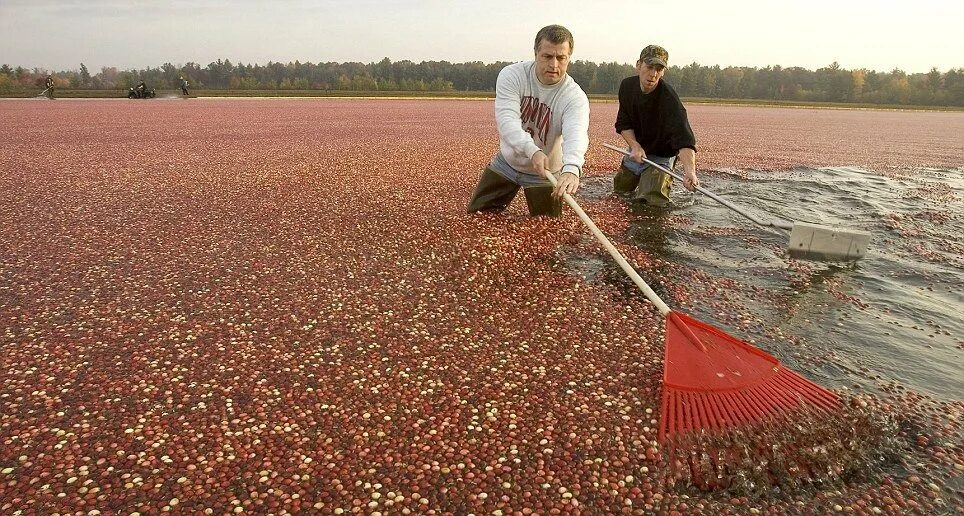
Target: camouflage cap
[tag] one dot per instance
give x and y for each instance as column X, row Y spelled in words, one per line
column 654, row 55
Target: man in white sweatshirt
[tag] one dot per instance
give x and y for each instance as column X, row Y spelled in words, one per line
column 543, row 121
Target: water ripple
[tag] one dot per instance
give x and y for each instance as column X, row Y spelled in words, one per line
column 894, row 316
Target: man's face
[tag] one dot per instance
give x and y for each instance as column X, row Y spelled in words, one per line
column 552, row 61
column 649, row 75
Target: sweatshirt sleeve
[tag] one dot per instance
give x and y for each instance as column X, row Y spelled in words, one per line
column 508, row 114
column 575, row 133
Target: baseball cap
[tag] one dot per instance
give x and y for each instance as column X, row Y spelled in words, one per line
column 654, row 55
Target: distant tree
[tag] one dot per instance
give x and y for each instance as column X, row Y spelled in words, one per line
column 608, row 77
column 126, row 79
column 218, row 74
column 439, row 84
column 387, row 84
column 833, row 84
column 685, row 80
column 897, row 88
column 933, row 80
column 730, row 82
column 583, row 72
column 363, row 83
column 107, row 78
column 383, row 69
column 84, row 76
column 707, row 84
column 6, row 77
column 857, row 80
column 954, row 86
column 248, row 83
column 170, row 75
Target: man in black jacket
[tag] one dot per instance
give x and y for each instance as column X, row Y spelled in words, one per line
column 653, row 122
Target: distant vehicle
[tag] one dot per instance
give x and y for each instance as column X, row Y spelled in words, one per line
column 134, row 93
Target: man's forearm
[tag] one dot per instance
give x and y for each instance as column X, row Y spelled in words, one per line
column 630, row 136
column 688, row 157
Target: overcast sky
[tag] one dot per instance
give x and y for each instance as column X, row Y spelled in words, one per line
column 879, row 35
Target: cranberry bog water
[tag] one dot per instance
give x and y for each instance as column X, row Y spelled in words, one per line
column 271, row 306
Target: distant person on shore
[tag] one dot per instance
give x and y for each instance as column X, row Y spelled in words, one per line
column 543, row 121
column 141, row 89
column 49, row 83
column 184, row 86
column 653, row 122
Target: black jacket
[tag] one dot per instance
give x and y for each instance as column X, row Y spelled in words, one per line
column 658, row 118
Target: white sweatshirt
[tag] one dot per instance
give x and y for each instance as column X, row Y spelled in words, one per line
column 531, row 117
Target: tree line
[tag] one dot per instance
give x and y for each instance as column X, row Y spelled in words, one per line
column 828, row 84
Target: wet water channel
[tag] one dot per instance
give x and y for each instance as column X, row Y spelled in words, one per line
column 894, row 317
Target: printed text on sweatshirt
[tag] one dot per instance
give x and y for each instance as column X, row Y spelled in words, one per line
column 532, row 116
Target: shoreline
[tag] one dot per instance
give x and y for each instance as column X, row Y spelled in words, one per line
column 602, row 99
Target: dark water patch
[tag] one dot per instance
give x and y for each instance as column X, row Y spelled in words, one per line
column 894, row 316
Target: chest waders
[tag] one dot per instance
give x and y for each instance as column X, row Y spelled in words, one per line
column 651, row 186
column 494, row 193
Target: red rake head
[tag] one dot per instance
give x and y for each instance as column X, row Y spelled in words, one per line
column 713, row 381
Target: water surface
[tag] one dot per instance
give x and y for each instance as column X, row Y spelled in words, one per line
column 893, row 317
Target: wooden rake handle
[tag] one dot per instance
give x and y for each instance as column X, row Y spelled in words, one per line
column 664, row 310
column 772, row 223
column 623, row 264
